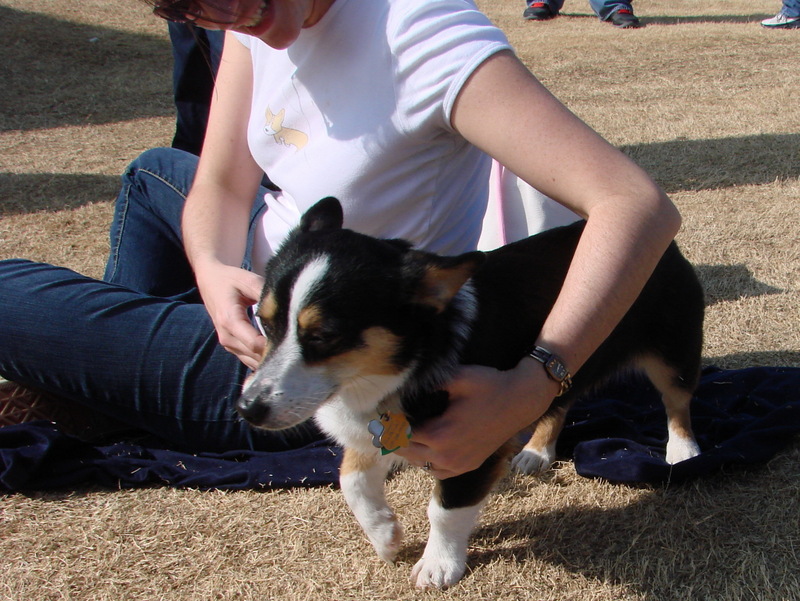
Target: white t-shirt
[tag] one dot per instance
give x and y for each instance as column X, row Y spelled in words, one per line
column 359, row 108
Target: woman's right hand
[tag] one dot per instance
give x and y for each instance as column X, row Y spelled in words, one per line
column 228, row 292
column 219, row 209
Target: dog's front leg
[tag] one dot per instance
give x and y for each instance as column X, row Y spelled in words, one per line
column 362, row 478
column 445, row 558
column 453, row 512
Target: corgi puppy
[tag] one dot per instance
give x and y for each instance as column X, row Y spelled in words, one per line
column 363, row 333
column 283, row 136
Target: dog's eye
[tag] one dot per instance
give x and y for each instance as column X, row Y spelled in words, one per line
column 319, row 343
column 318, row 338
column 265, row 325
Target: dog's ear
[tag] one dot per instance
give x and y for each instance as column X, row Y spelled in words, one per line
column 443, row 277
column 324, row 215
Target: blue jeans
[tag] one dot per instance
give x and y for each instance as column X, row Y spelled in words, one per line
column 791, row 8
column 139, row 345
column 602, row 8
column 196, row 53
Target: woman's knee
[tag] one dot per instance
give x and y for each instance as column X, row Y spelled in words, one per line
column 161, row 172
column 153, row 192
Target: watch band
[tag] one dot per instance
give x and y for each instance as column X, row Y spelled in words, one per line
column 554, row 366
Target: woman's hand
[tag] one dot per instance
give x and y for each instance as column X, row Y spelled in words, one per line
column 228, row 292
column 219, row 208
column 487, row 408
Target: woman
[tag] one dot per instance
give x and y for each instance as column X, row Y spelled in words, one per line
column 394, row 107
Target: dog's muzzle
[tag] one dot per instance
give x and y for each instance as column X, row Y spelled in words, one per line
column 252, row 409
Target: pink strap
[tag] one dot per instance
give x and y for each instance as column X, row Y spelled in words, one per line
column 496, row 181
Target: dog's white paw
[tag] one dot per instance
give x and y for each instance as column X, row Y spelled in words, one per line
column 387, row 538
column 438, row 572
column 532, row 462
column 681, row 449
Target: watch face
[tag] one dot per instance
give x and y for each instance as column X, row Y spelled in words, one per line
column 556, row 369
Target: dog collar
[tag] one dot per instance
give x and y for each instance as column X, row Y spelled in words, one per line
column 554, row 366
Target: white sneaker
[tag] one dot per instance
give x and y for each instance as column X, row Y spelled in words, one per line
column 781, row 21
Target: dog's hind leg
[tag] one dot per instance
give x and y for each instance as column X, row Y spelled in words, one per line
column 540, row 451
column 453, row 512
column 676, row 394
column 362, row 478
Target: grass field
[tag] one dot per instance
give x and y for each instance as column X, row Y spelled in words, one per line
column 703, row 97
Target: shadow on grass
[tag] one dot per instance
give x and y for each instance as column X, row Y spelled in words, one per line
column 755, row 359
column 685, row 20
column 56, row 73
column 680, row 20
column 30, row 193
column 692, row 165
column 731, row 282
column 664, row 544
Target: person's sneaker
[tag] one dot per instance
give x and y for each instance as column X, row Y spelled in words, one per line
column 781, row 21
column 624, row 19
column 20, row 404
column 539, row 11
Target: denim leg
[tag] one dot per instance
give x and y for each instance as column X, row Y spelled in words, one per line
column 131, row 347
column 196, row 53
column 146, row 244
column 791, row 8
column 147, row 253
column 150, row 362
column 605, row 8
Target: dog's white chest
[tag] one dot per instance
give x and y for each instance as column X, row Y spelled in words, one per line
column 347, row 427
column 346, row 416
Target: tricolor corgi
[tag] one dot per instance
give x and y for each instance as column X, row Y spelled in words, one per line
column 362, row 334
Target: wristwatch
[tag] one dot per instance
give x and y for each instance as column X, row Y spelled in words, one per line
column 554, row 366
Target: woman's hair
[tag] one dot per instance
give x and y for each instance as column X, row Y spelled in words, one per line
column 181, row 11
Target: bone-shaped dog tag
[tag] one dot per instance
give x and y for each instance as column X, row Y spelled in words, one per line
column 390, row 432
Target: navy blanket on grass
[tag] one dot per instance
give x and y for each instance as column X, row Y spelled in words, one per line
column 740, row 417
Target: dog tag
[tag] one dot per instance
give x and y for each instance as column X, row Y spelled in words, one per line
column 390, row 432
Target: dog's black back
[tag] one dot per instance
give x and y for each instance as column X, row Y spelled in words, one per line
column 518, row 285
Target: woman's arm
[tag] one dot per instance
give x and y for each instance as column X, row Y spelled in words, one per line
column 506, row 112
column 630, row 221
column 218, row 207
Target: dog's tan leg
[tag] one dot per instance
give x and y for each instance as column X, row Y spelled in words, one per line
column 540, row 451
column 681, row 444
column 362, row 478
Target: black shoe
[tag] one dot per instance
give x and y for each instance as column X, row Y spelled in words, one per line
column 539, row 11
column 624, row 19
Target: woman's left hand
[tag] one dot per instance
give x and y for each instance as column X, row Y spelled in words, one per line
column 487, row 408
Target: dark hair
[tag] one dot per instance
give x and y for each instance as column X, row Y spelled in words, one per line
column 181, row 11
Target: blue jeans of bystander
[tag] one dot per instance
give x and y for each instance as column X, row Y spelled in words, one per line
column 602, row 8
column 791, row 8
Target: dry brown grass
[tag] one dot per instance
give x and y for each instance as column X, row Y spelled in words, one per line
column 702, row 97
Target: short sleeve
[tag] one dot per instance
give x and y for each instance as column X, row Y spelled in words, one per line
column 437, row 45
column 245, row 39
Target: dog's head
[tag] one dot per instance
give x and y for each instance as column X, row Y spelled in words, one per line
column 346, row 314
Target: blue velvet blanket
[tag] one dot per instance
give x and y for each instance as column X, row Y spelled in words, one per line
column 740, row 417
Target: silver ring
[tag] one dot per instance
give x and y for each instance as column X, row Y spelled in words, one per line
column 427, row 467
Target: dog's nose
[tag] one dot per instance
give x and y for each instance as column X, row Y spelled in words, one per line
column 251, row 409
